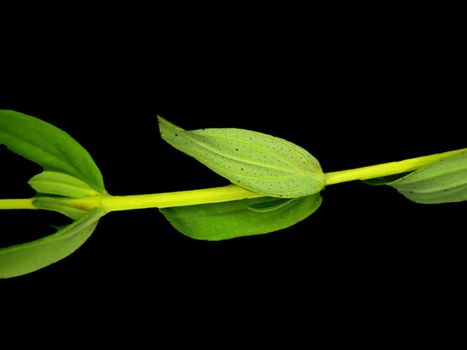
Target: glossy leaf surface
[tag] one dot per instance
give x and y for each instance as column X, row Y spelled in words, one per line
column 49, row 147
column 247, row 217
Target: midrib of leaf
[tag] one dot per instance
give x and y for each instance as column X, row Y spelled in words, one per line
column 259, row 148
column 297, row 189
column 259, row 164
column 286, row 143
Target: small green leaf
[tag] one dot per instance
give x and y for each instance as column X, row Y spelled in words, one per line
column 227, row 220
column 28, row 257
column 258, row 162
column 444, row 181
column 49, row 147
column 51, row 182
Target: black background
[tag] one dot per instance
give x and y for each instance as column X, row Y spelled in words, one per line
column 353, row 92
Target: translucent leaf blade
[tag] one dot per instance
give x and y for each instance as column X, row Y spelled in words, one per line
column 227, row 220
column 261, row 163
column 31, row 256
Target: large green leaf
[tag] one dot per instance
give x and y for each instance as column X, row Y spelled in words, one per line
column 258, row 162
column 28, row 257
column 246, row 217
column 49, row 147
column 444, row 181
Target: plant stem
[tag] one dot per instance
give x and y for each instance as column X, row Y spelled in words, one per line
column 227, row 193
column 386, row 169
column 16, row 204
column 165, row 200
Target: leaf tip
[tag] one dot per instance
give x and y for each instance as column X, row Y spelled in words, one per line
column 160, row 119
column 167, row 129
column 164, row 122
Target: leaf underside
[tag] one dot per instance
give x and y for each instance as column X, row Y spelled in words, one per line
column 247, row 217
column 258, row 162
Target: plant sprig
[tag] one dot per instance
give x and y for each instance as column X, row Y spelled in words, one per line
column 274, row 184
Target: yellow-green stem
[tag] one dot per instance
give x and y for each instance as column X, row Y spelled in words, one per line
column 165, row 200
column 25, row 203
column 230, row 192
column 386, row 169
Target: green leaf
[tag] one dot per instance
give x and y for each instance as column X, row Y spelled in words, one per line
column 51, row 182
column 227, row 220
column 49, row 147
column 444, row 181
column 258, row 162
column 28, row 257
